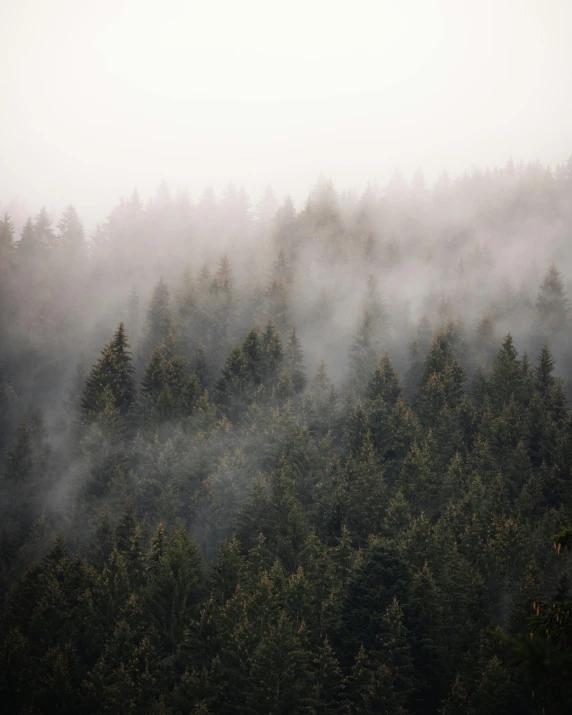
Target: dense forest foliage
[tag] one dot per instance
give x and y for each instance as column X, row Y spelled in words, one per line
column 260, row 460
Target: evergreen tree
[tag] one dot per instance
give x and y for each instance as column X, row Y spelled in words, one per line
column 396, row 653
column 133, row 319
column 114, row 372
column 506, row 378
column 363, row 354
column 550, row 388
column 280, row 676
column 175, row 588
column 157, row 398
column 371, row 687
column 273, row 354
column 71, row 235
column 43, row 233
column 253, row 351
column 232, row 385
column 295, row 362
column 28, row 247
column 551, row 304
column 25, row 483
column 6, row 240
column 155, row 379
column 381, row 576
column 159, row 323
column 384, row 383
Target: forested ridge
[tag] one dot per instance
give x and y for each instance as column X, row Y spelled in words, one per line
column 260, row 460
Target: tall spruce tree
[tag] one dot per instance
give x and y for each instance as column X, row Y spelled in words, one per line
column 6, row 240
column 71, row 235
column 551, row 304
column 363, row 353
column 295, row 362
column 114, row 372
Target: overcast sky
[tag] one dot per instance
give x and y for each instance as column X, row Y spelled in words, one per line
column 100, row 97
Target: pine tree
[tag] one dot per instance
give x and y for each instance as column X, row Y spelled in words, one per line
column 363, row 354
column 551, row 304
column 322, row 402
column 28, row 247
column 71, row 235
column 415, row 369
column 253, row 351
column 381, row 575
column 22, row 461
column 43, row 233
column 6, row 240
column 278, row 305
column 129, row 543
column 26, row 481
column 295, row 362
column 442, row 353
column 417, row 354
column 155, row 378
column 103, row 540
column 485, row 342
column 159, row 323
column 384, row 383
column 200, row 366
column 190, row 396
column 158, row 401
column 273, row 355
column 175, row 588
column 232, row 386
column 133, row 314
column 280, row 676
column 282, row 269
column 114, row 372
column 395, row 650
column 228, row 570
column 373, row 305
column 223, row 279
column 329, row 681
column 550, row 388
column 506, row 379
column 370, row 687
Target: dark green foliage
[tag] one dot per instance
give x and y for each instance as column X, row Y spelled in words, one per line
column 363, row 353
column 159, row 324
column 24, row 484
column 242, row 539
column 113, row 372
column 506, row 378
column 26, row 457
column 174, row 587
column 253, row 350
column 280, row 679
column 295, row 362
column 381, row 576
column 155, row 378
column 232, row 387
column 384, row 383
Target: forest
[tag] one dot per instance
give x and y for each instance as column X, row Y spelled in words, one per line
column 268, row 459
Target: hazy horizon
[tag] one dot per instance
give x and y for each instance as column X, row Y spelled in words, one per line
column 101, row 100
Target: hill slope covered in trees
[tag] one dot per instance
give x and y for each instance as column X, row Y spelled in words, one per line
column 268, row 461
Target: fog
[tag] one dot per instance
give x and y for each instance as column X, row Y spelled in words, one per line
column 285, row 356
column 99, row 99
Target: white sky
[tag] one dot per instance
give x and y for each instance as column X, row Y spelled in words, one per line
column 100, row 97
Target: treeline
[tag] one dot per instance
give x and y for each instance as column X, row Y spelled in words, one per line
column 274, row 502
